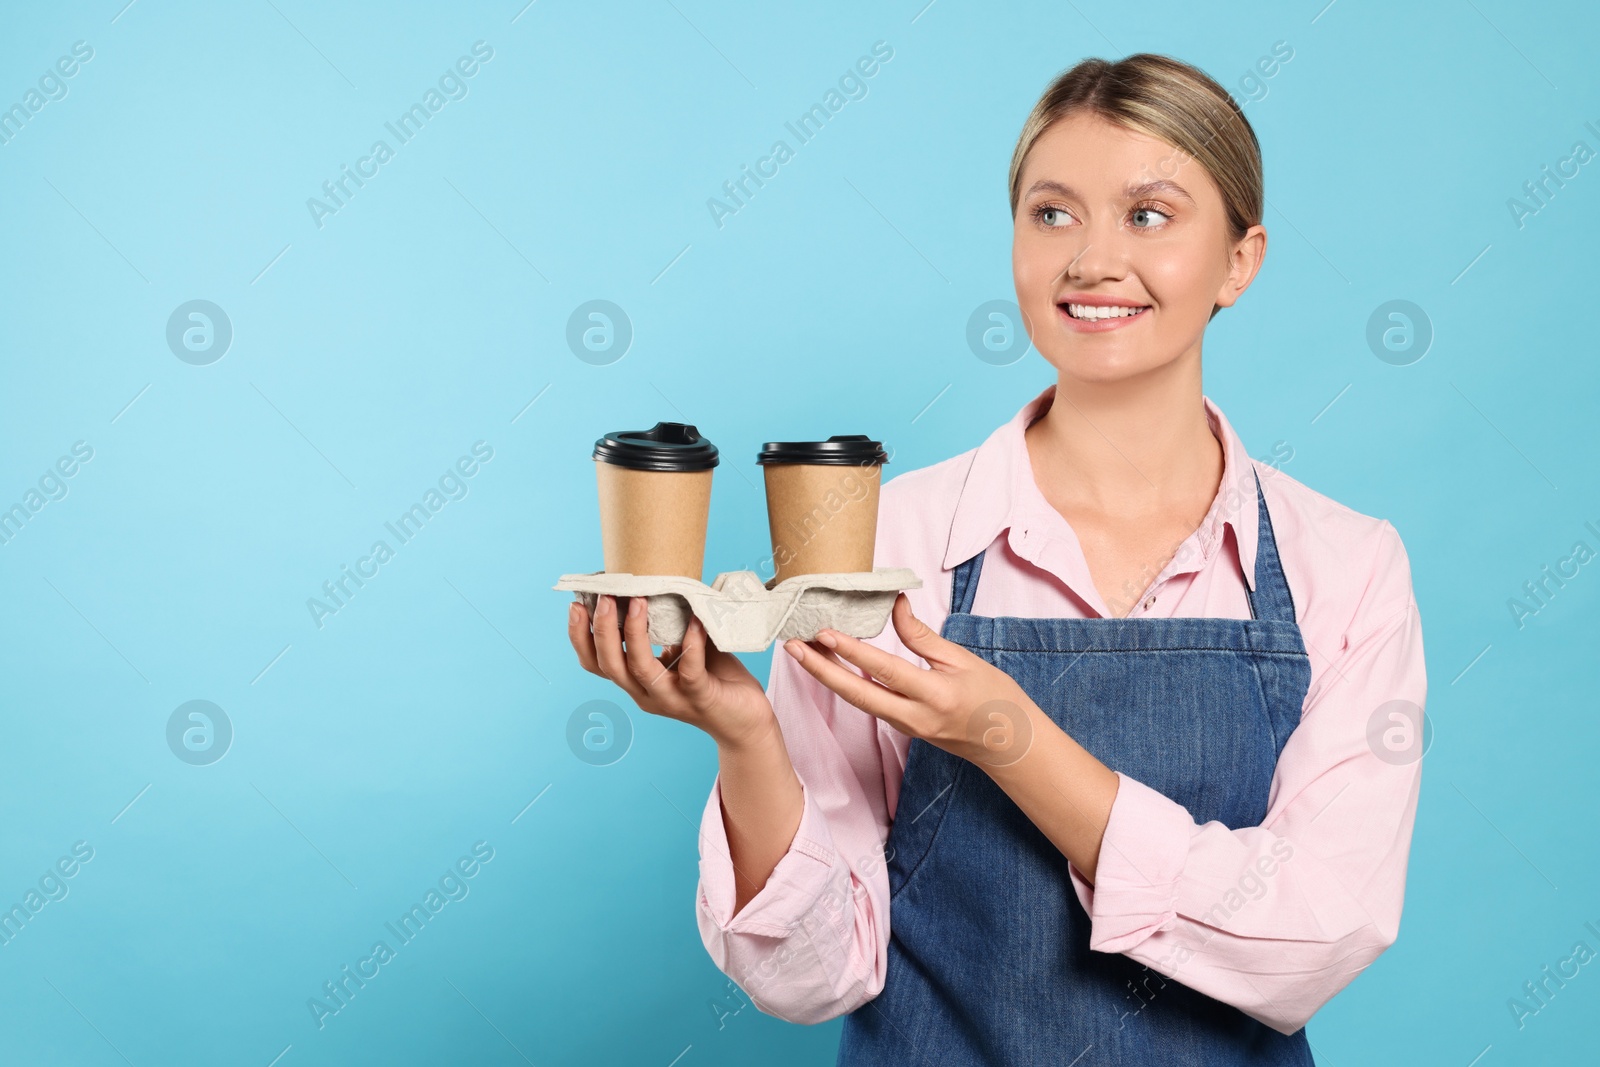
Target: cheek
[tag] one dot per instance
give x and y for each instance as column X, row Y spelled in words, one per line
column 1032, row 268
column 1180, row 275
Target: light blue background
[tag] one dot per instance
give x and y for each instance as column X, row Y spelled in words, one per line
column 425, row 315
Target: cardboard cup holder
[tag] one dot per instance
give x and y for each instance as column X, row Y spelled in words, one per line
column 743, row 614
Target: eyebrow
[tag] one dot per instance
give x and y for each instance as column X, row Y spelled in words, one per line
column 1129, row 192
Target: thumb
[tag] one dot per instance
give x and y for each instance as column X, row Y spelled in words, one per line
column 917, row 635
column 693, row 678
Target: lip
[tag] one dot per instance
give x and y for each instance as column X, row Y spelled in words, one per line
column 1097, row 300
column 1099, row 325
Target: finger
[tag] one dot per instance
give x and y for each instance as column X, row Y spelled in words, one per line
column 867, row 695
column 608, row 649
column 582, row 639
column 887, row 669
column 693, row 679
column 922, row 639
column 642, row 663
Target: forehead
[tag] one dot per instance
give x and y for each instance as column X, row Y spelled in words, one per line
column 1094, row 156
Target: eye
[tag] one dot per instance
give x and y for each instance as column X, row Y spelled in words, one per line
column 1145, row 211
column 1052, row 216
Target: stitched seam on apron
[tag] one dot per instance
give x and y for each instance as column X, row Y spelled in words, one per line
column 1119, row 651
column 1266, row 705
column 955, row 783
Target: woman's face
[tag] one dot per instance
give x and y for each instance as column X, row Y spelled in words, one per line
column 1111, row 220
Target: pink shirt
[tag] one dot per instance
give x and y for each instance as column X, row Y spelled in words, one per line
column 813, row 944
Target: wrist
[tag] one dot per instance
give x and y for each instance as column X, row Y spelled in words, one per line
column 755, row 738
column 1003, row 731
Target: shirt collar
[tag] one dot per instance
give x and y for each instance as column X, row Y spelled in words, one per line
column 999, row 492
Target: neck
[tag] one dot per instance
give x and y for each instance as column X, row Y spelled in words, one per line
column 1127, row 447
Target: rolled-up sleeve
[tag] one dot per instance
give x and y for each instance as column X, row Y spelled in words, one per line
column 813, row 943
column 1276, row 919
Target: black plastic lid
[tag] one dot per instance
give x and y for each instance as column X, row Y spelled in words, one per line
column 666, row 446
column 853, row 448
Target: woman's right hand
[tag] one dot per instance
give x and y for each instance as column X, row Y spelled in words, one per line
column 694, row 682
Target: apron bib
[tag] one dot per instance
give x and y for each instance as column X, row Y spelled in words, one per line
column 989, row 960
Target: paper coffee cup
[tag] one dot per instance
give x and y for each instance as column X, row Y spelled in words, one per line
column 822, row 504
column 655, row 499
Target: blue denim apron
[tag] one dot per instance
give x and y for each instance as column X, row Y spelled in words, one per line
column 989, row 959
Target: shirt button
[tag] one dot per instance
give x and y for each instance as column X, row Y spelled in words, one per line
column 1149, row 601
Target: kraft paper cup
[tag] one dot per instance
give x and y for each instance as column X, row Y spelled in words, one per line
column 655, row 499
column 822, row 504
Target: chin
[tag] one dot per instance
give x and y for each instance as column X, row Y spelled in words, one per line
column 1098, row 367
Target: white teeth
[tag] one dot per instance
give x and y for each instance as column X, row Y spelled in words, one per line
column 1095, row 311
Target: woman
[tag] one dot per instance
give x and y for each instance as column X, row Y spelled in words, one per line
column 1040, row 818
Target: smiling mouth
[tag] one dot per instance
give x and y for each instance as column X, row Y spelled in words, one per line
column 1096, row 312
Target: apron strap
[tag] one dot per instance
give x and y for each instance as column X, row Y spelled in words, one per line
column 964, row 586
column 1271, row 599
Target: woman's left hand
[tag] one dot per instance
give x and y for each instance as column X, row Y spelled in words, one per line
column 960, row 702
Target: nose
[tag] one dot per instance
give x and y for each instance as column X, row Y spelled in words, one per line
column 1100, row 256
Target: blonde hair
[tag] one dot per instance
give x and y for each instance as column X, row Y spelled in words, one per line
column 1166, row 99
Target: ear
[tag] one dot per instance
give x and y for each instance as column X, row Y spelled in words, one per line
column 1244, row 261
